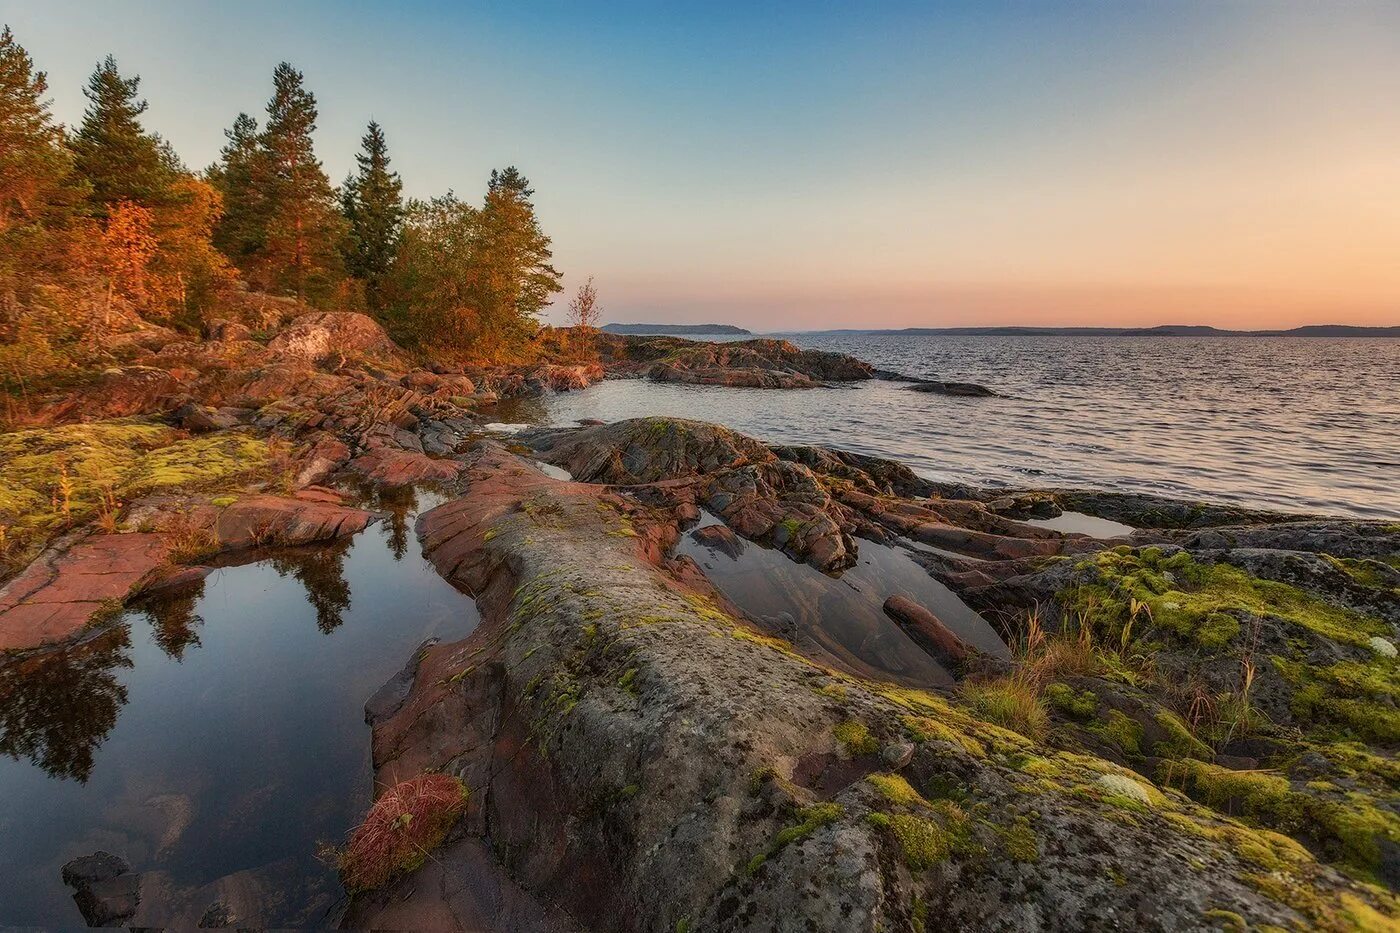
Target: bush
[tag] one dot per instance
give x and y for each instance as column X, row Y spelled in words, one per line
column 404, row 825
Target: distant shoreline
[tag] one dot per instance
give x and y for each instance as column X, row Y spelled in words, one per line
column 1165, row 330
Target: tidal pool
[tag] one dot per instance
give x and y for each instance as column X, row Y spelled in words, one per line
column 841, row 616
column 216, row 739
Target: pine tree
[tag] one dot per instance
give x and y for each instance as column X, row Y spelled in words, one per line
column 510, row 179
column 515, row 278
column 300, row 249
column 372, row 201
column 38, row 190
column 238, row 234
column 113, row 151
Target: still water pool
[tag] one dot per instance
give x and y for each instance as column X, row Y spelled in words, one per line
column 216, row 740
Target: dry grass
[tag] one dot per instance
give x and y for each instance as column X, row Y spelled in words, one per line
column 1012, row 701
column 189, row 540
column 404, row 825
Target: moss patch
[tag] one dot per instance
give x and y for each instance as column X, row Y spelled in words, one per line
column 1198, row 602
column 66, row 473
column 855, row 738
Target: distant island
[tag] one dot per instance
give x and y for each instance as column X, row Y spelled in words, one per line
column 676, row 329
column 1161, row 330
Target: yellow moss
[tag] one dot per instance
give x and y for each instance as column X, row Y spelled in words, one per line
column 855, row 737
column 923, row 842
column 63, row 473
column 927, row 729
column 897, row 790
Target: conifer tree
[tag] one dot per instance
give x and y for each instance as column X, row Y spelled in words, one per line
column 510, row 179
column 238, row 233
column 515, row 279
column 114, row 152
column 372, row 201
column 300, row 249
column 38, row 190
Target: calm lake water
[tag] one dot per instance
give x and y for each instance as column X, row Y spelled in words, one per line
column 216, row 740
column 1290, row 423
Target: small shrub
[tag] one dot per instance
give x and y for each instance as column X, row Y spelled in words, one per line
column 1011, row 702
column 404, row 825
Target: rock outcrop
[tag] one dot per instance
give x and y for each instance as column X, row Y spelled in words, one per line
column 326, row 335
column 622, row 731
column 754, row 364
column 58, row 594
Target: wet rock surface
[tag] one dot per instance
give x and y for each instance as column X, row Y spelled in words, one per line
column 106, row 890
column 955, row 389
column 618, row 726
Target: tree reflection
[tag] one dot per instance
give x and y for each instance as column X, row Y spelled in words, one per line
column 57, row 706
column 173, row 619
column 399, row 502
column 321, row 571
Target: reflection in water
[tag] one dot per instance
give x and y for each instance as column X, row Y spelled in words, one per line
column 219, row 746
column 321, row 571
column 57, row 706
column 841, row 618
column 174, row 620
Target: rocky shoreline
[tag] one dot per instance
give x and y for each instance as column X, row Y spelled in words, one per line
column 1191, row 726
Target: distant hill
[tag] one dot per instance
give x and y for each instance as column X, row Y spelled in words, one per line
column 675, row 329
column 1161, row 330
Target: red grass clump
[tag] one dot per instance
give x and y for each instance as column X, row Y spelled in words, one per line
column 403, row 826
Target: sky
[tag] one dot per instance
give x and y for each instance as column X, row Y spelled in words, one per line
column 809, row 165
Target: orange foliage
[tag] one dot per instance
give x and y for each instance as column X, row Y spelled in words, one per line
column 129, row 246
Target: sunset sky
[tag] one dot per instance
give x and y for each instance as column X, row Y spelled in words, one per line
column 810, row 165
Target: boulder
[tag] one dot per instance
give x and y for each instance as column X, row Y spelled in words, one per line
column 322, row 336
column 719, row 538
column 106, row 890
column 928, row 632
column 265, row 520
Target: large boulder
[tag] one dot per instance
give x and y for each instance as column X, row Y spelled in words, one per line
column 646, row 450
column 323, row 336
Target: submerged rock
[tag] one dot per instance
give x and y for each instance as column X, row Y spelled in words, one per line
column 957, row 389
column 929, row 632
column 106, row 890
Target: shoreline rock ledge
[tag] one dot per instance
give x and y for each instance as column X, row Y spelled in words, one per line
column 624, row 731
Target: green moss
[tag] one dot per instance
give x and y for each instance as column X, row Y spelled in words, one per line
column 1227, row 920
column 1179, row 743
column 811, row 819
column 1372, row 574
column 1122, row 731
column 897, row 790
column 926, row 729
column 1360, row 697
column 1196, row 601
column 1019, row 841
column 923, row 842
column 1349, row 828
column 1080, row 705
column 58, row 474
column 855, row 738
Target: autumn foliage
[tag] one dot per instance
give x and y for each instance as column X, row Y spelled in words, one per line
column 103, row 229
